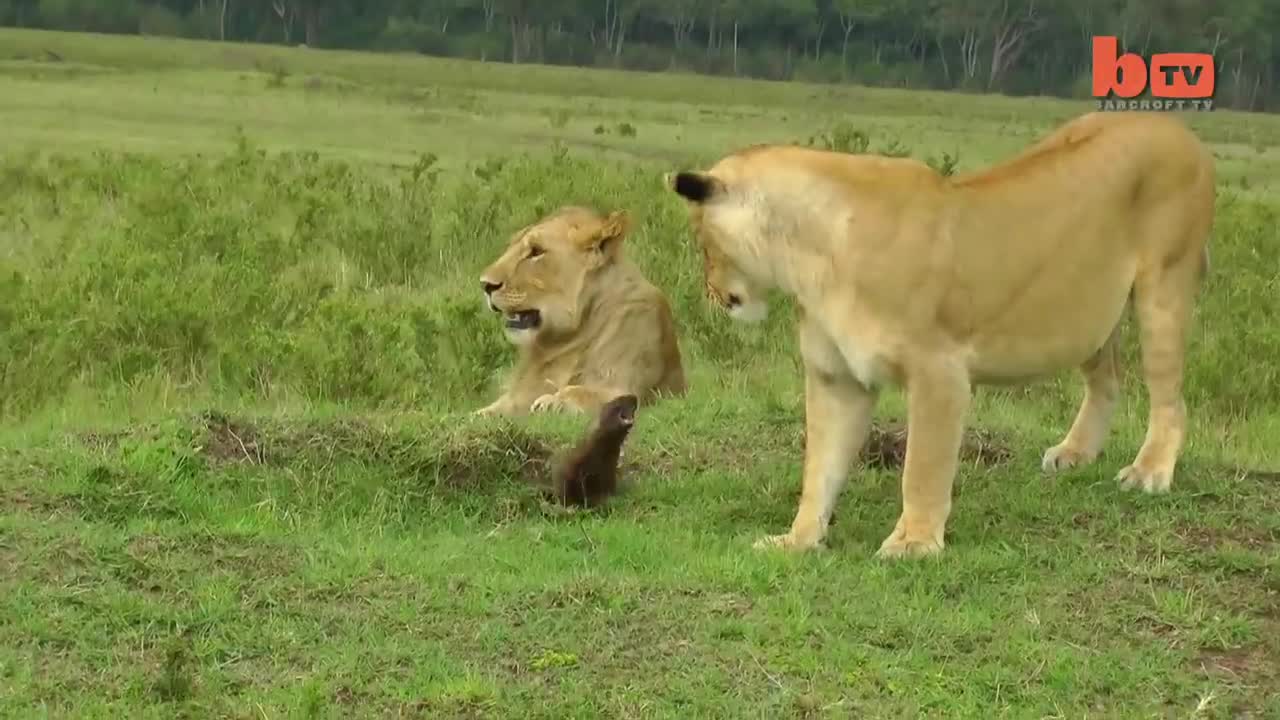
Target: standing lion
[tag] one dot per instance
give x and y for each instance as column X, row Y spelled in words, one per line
column 935, row 284
column 587, row 324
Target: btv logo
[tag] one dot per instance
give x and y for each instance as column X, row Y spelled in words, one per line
column 1174, row 78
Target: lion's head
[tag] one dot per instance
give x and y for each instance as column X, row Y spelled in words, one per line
column 546, row 276
column 728, row 234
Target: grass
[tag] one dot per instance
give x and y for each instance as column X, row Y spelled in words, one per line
column 239, row 341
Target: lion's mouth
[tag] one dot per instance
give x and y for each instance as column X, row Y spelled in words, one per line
column 523, row 320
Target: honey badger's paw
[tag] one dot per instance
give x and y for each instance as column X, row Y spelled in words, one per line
column 1149, row 481
column 898, row 545
column 1062, row 457
column 788, row 541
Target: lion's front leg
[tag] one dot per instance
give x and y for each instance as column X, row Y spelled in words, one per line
column 502, row 406
column 938, row 397
column 837, row 413
column 576, row 398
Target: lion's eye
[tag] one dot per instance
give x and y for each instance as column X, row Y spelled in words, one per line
column 534, row 252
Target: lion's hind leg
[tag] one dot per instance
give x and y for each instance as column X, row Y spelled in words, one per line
column 1092, row 424
column 1164, row 295
column 1163, row 298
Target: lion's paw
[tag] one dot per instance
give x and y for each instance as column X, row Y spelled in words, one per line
column 487, row 410
column 550, row 402
column 1062, row 457
column 1149, row 481
column 898, row 545
column 787, row 541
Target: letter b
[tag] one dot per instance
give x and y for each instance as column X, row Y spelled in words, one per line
column 1126, row 74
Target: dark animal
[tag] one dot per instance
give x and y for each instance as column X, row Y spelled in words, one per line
column 587, row 474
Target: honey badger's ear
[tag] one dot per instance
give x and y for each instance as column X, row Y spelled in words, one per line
column 694, row 186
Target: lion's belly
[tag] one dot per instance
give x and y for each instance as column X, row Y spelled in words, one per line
column 1037, row 336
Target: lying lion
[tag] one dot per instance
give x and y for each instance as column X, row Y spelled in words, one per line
column 936, row 284
column 588, row 325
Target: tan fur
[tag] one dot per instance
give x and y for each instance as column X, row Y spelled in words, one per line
column 937, row 284
column 606, row 331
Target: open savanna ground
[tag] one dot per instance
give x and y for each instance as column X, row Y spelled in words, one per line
column 241, row 334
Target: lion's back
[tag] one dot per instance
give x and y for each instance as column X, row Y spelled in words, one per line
column 631, row 338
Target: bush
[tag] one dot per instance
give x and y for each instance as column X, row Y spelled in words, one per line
column 254, row 273
column 160, row 20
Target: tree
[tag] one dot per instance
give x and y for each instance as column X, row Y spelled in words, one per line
column 679, row 16
column 287, row 12
column 1012, row 24
column 965, row 22
column 1010, row 45
column 853, row 13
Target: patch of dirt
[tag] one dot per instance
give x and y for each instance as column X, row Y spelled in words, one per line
column 478, row 458
column 16, row 499
column 886, row 447
column 100, row 441
column 229, row 440
column 1203, row 537
column 27, row 501
column 9, row 556
column 530, row 457
column 459, row 461
column 58, row 561
column 1239, row 664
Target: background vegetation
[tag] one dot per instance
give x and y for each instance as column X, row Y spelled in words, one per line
column 1037, row 47
column 240, row 337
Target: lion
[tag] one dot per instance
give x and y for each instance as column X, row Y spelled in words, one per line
column 934, row 284
column 587, row 324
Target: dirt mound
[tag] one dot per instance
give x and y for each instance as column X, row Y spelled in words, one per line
column 230, row 440
column 887, row 447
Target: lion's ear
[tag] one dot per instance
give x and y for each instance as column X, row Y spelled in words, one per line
column 612, row 232
column 694, row 186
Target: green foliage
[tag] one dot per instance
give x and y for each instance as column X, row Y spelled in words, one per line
column 1021, row 47
column 845, row 138
column 946, row 165
column 256, row 273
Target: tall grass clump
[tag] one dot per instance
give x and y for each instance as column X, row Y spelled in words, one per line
column 256, row 275
column 253, row 274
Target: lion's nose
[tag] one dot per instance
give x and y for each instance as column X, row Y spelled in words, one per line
column 489, row 287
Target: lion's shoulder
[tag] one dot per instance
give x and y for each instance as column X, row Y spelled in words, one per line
column 801, row 167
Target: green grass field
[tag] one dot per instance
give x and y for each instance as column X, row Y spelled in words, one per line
column 240, row 338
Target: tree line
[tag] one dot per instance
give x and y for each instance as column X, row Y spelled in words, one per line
column 1011, row 46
